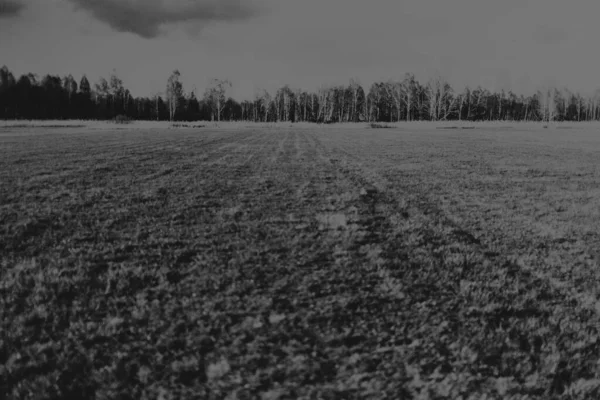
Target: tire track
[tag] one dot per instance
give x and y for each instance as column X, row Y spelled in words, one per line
column 530, row 252
column 460, row 273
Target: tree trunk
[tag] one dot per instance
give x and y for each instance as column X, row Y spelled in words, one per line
column 469, row 107
column 305, row 101
column 267, row 105
column 354, row 103
column 408, row 101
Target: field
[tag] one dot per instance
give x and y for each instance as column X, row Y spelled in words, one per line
column 300, row 262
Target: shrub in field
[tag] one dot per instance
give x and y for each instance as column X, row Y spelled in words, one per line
column 186, row 126
column 122, row 119
column 378, row 126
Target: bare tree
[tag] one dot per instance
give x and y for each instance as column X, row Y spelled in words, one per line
column 297, row 105
column 262, row 99
column 258, row 95
column 323, row 103
column 441, row 102
column 174, row 93
column 266, row 101
column 354, row 89
column 466, row 97
column 463, row 98
column 395, row 92
column 408, row 88
column 215, row 95
column 477, row 100
column 70, row 86
column 433, row 92
column 101, row 94
column 374, row 99
column 548, row 107
column 117, row 93
column 284, row 102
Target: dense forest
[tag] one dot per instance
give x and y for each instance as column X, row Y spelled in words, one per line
column 53, row 97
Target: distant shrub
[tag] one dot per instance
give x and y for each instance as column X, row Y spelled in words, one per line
column 458, row 127
column 122, row 119
column 44, row 126
column 186, row 126
column 380, row 126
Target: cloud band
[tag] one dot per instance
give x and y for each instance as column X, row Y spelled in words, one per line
column 146, row 18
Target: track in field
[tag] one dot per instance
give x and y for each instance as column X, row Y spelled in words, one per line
column 300, row 263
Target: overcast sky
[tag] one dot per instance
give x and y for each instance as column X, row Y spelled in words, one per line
column 511, row 44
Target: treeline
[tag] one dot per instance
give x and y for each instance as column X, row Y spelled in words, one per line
column 53, row 97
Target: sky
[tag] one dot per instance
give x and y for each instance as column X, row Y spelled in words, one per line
column 519, row 45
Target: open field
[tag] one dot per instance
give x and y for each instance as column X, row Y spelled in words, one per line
column 300, row 262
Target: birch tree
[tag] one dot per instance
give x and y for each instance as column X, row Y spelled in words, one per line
column 433, row 94
column 408, row 89
column 174, row 93
column 323, row 103
column 262, row 99
column 215, row 95
column 70, row 86
column 101, row 94
column 395, row 94
column 373, row 104
column 354, row 90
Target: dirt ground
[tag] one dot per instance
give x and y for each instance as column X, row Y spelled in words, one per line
column 313, row 263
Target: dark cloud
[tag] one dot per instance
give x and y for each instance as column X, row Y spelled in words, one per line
column 10, row 8
column 146, row 17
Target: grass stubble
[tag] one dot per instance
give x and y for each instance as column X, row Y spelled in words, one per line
column 299, row 263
